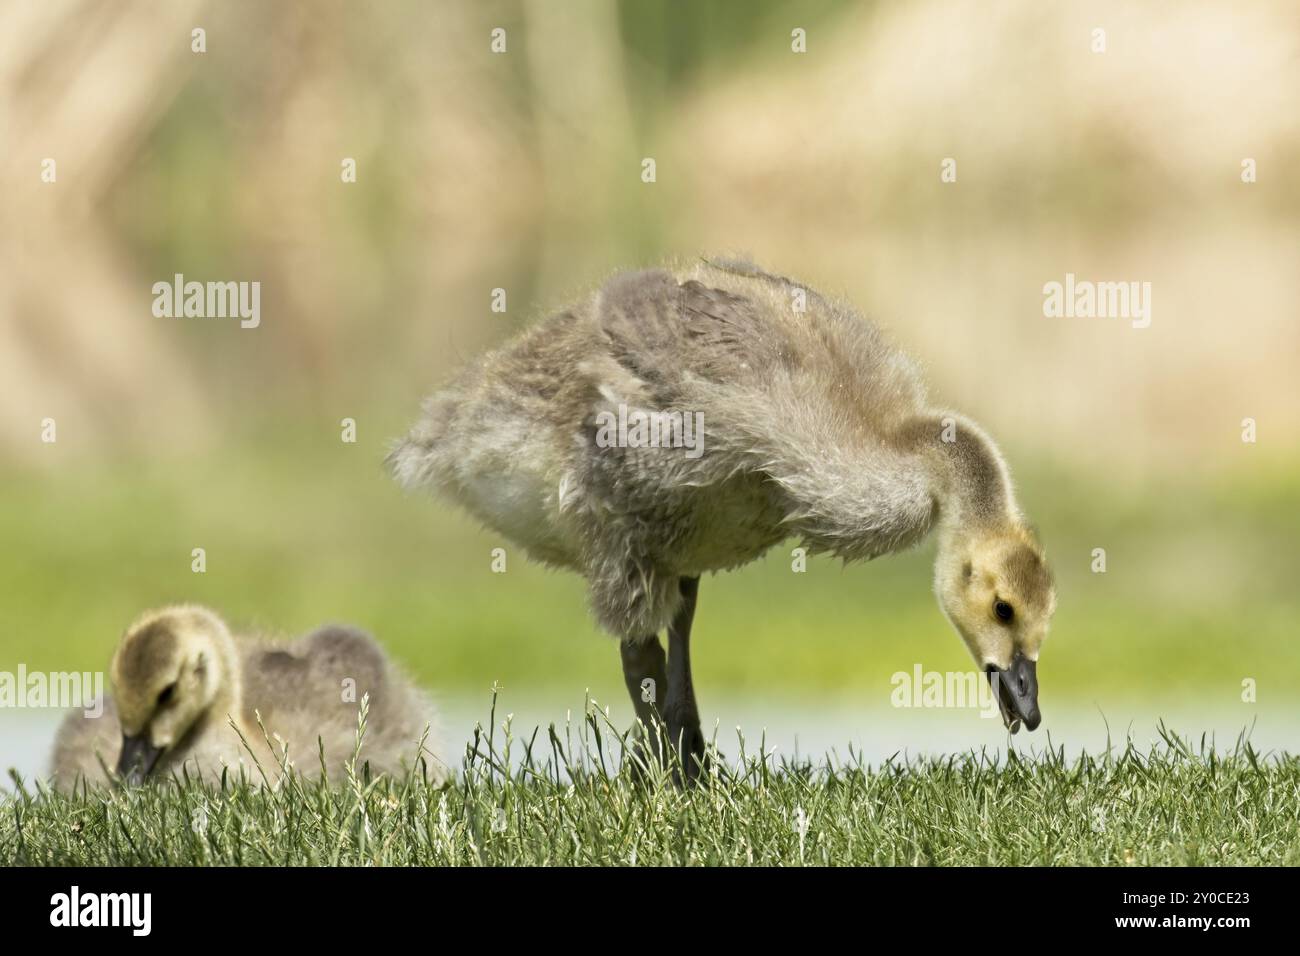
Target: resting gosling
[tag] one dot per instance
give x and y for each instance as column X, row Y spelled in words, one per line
column 680, row 421
column 179, row 677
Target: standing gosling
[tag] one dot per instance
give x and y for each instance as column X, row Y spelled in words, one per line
column 678, row 421
column 180, row 678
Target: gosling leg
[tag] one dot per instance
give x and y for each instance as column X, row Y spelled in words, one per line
column 645, row 674
column 680, row 713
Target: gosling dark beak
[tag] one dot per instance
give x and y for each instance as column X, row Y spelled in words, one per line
column 1016, row 689
column 138, row 758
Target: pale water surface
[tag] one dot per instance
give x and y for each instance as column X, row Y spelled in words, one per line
column 837, row 728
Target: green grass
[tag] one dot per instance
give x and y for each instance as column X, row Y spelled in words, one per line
column 567, row 803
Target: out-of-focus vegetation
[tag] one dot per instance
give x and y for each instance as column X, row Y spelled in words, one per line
column 522, row 171
column 1198, row 592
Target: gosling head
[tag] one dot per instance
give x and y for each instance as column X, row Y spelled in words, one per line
column 172, row 668
column 996, row 589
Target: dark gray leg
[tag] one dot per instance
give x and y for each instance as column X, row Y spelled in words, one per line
column 644, row 672
column 680, row 713
column 644, row 661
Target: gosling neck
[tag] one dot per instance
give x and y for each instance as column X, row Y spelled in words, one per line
column 970, row 483
column 228, row 698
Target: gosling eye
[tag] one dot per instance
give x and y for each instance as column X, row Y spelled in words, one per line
column 166, row 694
column 1004, row 611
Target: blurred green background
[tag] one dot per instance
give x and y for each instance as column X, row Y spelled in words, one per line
column 522, row 170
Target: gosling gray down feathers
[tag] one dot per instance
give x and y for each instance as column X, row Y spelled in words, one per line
column 815, row 427
column 179, row 676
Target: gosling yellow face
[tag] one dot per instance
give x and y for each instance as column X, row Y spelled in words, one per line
column 166, row 673
column 997, row 591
